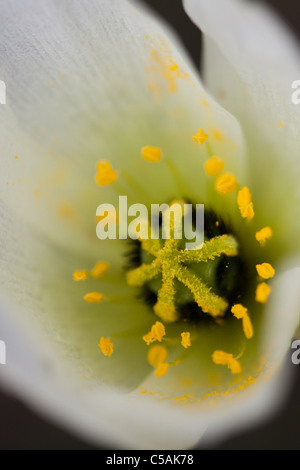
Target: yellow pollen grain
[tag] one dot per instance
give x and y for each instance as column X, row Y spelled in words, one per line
column 262, row 293
column 79, row 275
column 225, row 359
column 263, row 235
column 239, row 311
column 265, row 270
column 201, row 137
column 214, row 166
column 105, row 175
column 186, row 339
column 244, row 201
column 166, row 68
column 157, row 354
column 99, row 269
column 226, row 183
column 93, row 297
column 218, row 135
column 151, row 154
column 281, row 124
column 157, row 333
column 173, row 66
column 106, row 346
column 161, row 370
column 65, row 210
column 148, row 338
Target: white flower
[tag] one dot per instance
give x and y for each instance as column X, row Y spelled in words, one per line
column 100, row 80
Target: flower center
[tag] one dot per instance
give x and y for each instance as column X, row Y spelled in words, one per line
column 192, row 285
column 188, row 286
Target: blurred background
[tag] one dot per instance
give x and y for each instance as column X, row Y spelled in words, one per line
column 21, row 428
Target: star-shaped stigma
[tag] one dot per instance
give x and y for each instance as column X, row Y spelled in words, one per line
column 172, row 263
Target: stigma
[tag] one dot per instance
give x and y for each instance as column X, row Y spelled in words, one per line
column 204, row 280
column 172, row 263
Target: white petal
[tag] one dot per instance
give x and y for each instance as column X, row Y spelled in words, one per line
column 45, row 366
column 37, row 283
column 132, row 421
column 250, row 62
column 100, row 415
column 78, row 76
column 281, row 318
column 100, row 108
column 259, row 57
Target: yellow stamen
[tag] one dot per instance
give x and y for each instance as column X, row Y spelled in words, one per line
column 244, row 200
column 93, row 297
column 225, row 359
column 157, row 354
column 235, row 366
column 186, row 339
column 106, row 346
column 151, row 154
column 100, row 268
column 214, row 166
column 148, row 338
column 263, row 235
column 156, row 334
column 201, row 137
column 161, row 370
column 105, row 173
column 265, row 270
column 247, row 326
column 263, row 291
column 158, row 331
column 226, row 183
column 80, row 275
column 221, row 357
column 241, row 313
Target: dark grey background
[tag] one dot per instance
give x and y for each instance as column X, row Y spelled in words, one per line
column 21, row 428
